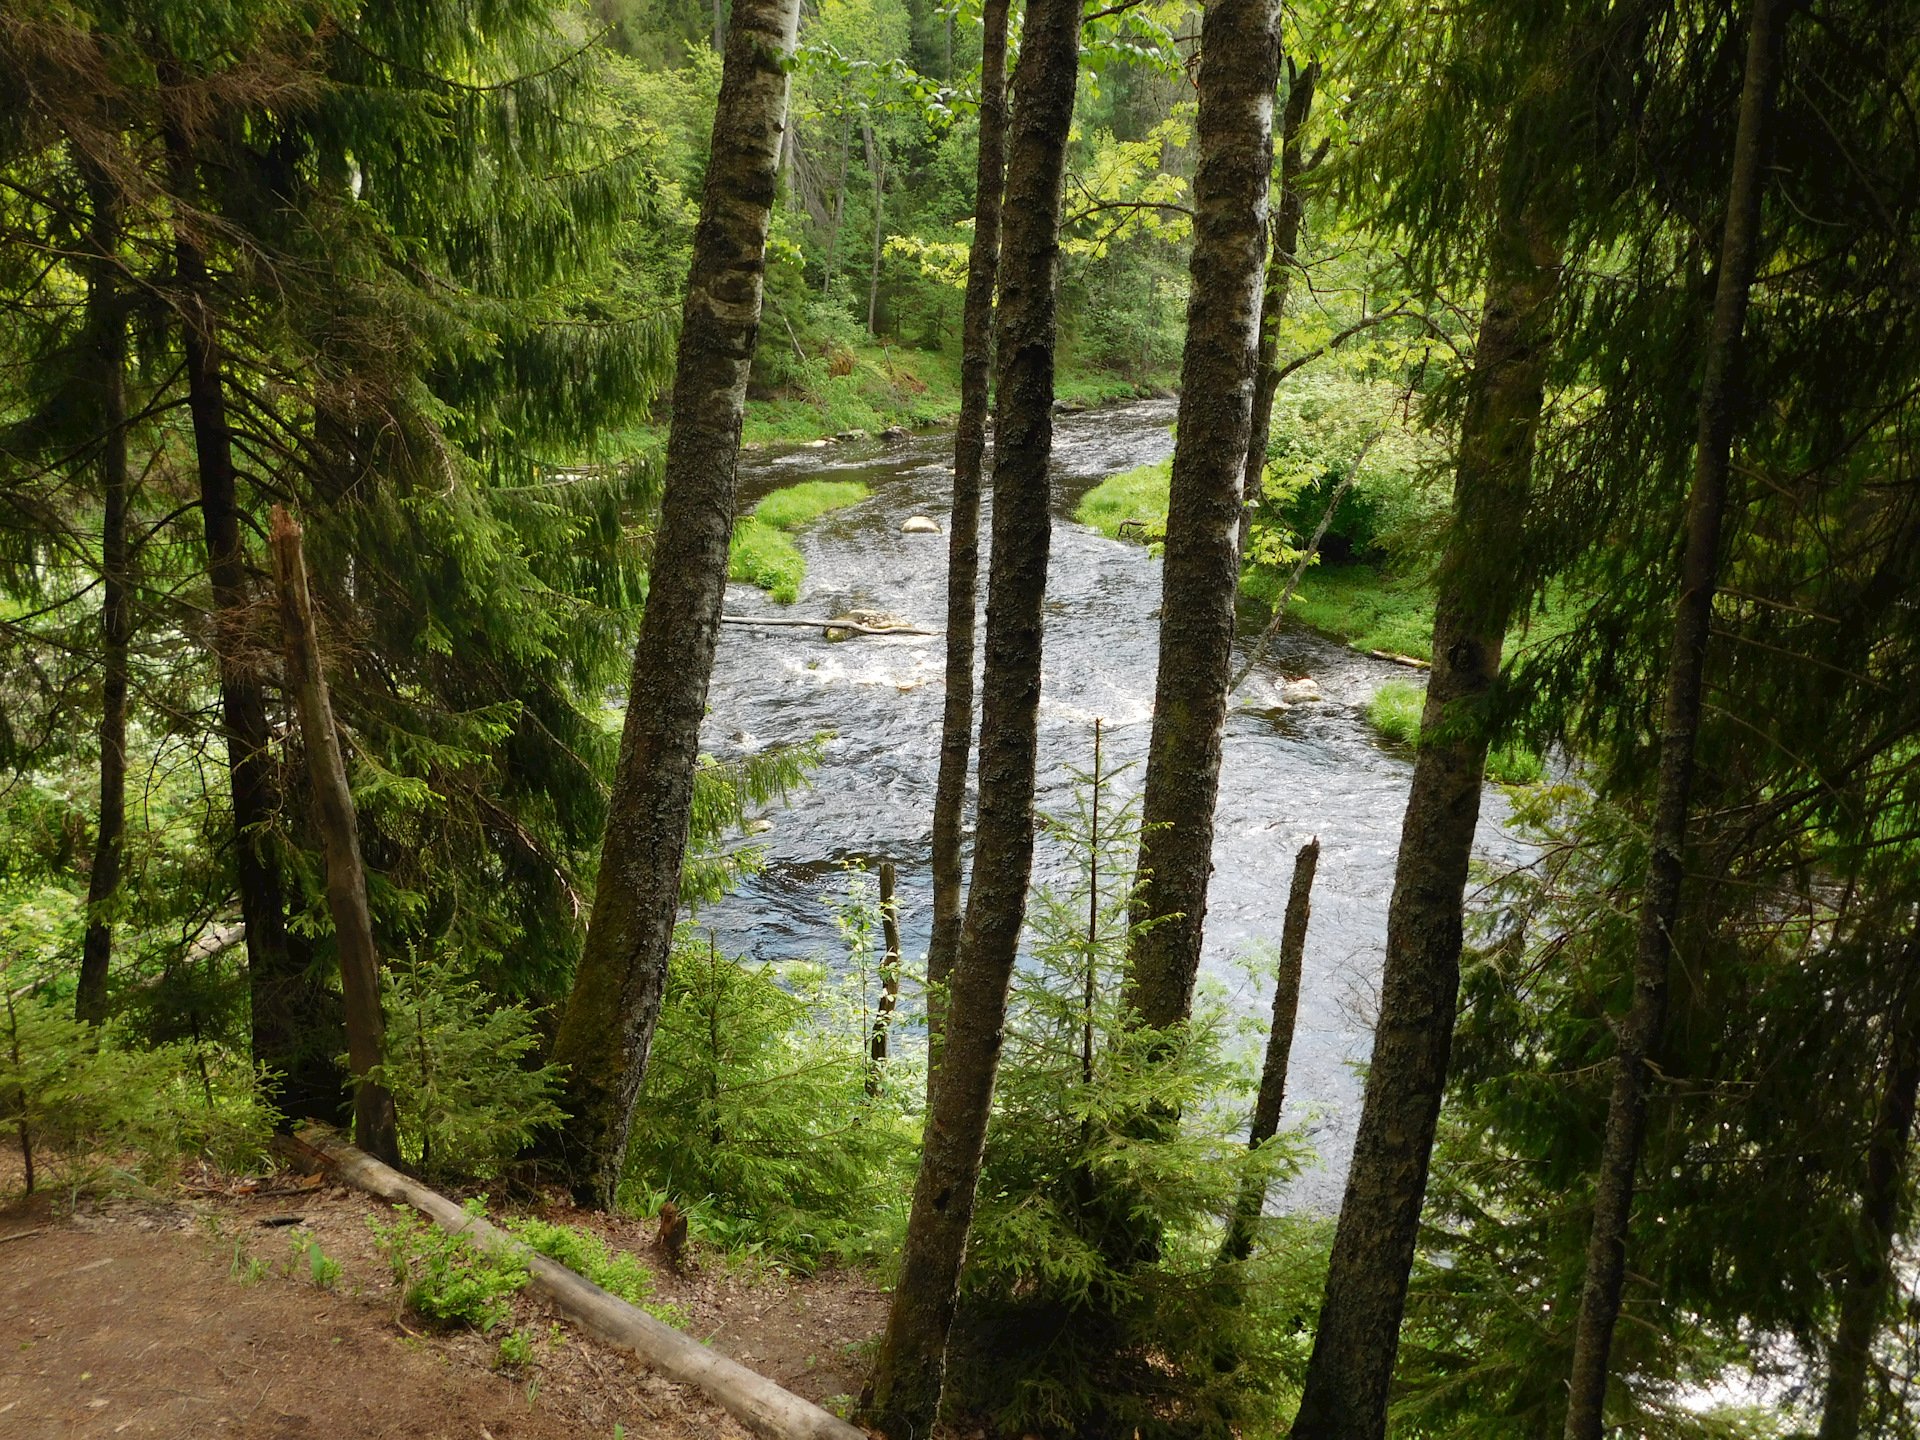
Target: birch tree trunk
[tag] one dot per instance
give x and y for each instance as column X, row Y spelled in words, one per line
column 905, row 1392
column 963, row 526
column 1646, row 1018
column 1239, row 66
column 373, row 1115
column 107, row 322
column 1358, row 1333
column 607, row 1031
column 1288, row 216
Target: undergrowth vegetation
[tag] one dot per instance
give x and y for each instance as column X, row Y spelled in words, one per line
column 1395, row 710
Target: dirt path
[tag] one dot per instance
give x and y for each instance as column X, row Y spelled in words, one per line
column 201, row 1319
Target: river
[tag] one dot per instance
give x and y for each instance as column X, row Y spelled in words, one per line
column 1316, row 769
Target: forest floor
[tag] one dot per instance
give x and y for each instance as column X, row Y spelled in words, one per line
column 194, row 1314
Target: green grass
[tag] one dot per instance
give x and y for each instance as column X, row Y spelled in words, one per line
column 1395, row 712
column 1135, row 499
column 1363, row 605
column 763, row 552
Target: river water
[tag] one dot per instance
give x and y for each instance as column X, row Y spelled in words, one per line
column 1315, row 769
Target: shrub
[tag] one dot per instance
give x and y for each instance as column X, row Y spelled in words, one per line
column 76, row 1099
column 755, row 1117
column 459, row 1067
column 1095, row 1299
column 446, row 1279
column 586, row 1254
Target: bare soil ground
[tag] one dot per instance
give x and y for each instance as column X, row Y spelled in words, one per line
column 196, row 1315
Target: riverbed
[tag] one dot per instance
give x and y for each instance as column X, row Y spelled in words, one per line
column 1314, row 769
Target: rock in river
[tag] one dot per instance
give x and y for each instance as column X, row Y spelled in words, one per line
column 918, row 525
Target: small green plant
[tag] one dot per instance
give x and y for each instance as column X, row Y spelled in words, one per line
column 516, row 1351
column 586, row 1254
column 323, row 1271
column 446, row 1279
column 246, row 1269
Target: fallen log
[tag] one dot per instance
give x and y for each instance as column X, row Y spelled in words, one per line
column 1412, row 662
column 852, row 627
column 759, row 1404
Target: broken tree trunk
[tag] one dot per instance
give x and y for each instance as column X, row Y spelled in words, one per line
column 374, row 1124
column 889, row 979
column 1272, row 1097
column 752, row 1399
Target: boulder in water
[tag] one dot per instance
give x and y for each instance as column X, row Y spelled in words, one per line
column 894, row 432
column 1299, row 692
column 849, row 435
column 919, row 525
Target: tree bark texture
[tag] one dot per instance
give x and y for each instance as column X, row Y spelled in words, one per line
column 1288, row 216
column 1354, row 1346
column 607, row 1031
column 909, row 1374
column 1271, row 1098
column 290, row 1040
column 1640, row 1032
column 107, row 327
column 1239, row 66
column 333, row 813
column 1869, row 1277
column 963, row 527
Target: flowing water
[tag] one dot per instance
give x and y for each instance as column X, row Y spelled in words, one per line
column 1314, row 769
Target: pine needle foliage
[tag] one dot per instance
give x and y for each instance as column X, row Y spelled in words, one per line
column 1067, row 1327
column 755, row 1116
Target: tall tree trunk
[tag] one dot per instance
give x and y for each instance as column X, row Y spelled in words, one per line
column 963, row 527
column 607, row 1031
column 373, row 1116
column 1646, row 1017
column 107, row 327
column 1354, row 1346
column 877, row 168
column 1271, row 1098
column 289, row 1039
column 1239, row 66
column 911, row 1367
column 831, row 264
column 1869, row 1277
column 1288, row 216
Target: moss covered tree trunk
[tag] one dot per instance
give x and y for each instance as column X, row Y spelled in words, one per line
column 607, row 1030
column 373, row 1117
column 1358, row 1334
column 1645, row 1021
column 107, row 325
column 1239, row 66
column 1289, row 214
column 905, row 1394
column 963, row 526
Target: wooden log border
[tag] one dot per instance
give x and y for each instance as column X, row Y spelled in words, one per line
column 762, row 1406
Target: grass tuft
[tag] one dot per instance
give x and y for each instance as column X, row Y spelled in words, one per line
column 763, row 552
